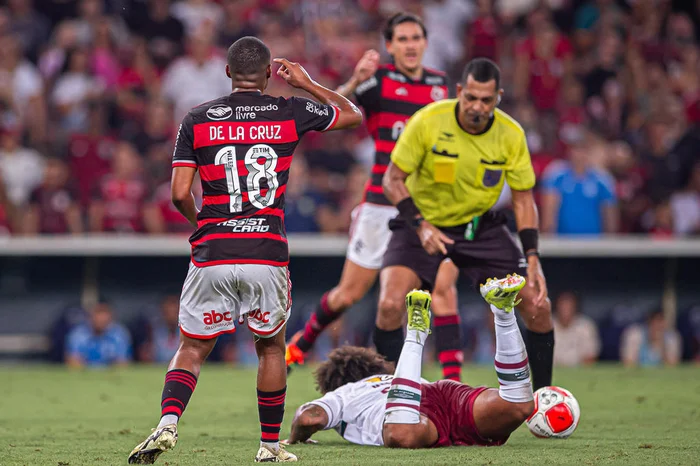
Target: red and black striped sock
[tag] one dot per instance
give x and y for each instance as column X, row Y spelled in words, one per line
column 271, row 412
column 319, row 320
column 178, row 388
column 449, row 346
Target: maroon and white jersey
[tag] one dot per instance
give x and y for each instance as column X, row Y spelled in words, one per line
column 243, row 145
column 390, row 98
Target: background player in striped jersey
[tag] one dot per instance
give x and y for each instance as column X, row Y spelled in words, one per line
column 389, row 94
column 368, row 406
column 242, row 144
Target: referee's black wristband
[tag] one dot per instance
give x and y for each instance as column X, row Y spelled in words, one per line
column 529, row 238
column 407, row 209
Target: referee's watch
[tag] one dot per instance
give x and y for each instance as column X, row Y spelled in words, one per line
column 415, row 223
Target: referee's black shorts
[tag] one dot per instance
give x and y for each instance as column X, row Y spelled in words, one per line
column 492, row 253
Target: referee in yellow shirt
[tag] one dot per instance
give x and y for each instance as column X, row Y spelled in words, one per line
column 446, row 173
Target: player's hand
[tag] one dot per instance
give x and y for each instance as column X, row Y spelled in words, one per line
column 367, row 66
column 308, row 441
column 433, row 240
column 293, row 73
column 535, row 279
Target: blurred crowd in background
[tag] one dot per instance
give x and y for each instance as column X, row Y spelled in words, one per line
column 628, row 334
column 91, row 92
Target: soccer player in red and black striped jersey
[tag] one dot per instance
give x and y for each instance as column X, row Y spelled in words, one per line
column 242, row 144
column 390, row 95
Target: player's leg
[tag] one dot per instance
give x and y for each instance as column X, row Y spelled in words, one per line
column 446, row 321
column 369, row 237
column 199, row 325
column 404, row 427
column 272, row 390
column 405, row 266
column 395, row 282
column 497, row 413
column 496, row 248
column 539, row 336
column 266, row 290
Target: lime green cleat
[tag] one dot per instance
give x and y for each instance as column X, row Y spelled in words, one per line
column 418, row 307
column 502, row 292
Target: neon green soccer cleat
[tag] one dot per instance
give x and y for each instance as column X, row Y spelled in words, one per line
column 502, row 292
column 418, row 308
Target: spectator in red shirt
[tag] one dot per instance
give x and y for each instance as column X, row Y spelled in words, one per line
column 161, row 216
column 90, row 154
column 482, row 35
column 119, row 197
column 542, row 61
column 53, row 208
column 6, row 211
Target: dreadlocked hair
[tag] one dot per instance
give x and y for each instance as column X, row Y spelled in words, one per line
column 349, row 364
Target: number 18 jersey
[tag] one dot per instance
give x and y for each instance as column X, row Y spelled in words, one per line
column 243, row 145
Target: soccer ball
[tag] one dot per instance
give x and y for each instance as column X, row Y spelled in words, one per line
column 556, row 413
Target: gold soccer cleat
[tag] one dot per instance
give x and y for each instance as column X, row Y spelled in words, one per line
column 268, row 455
column 148, row 451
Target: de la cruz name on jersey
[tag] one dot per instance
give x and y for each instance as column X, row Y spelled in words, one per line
column 243, row 145
column 390, row 98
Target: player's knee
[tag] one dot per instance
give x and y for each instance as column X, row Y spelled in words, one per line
column 391, row 311
column 537, row 317
column 196, row 349
column 398, row 436
column 346, row 298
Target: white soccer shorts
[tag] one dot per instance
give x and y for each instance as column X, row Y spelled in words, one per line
column 370, row 234
column 214, row 298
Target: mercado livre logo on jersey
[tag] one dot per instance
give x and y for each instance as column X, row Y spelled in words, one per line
column 219, row 112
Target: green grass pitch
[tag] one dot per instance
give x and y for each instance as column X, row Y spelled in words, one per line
column 51, row 416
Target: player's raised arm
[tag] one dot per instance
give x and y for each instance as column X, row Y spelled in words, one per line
column 308, row 420
column 349, row 116
column 364, row 70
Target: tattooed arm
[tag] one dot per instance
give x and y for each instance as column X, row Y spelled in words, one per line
column 308, row 420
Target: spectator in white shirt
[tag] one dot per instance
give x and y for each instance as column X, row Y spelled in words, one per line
column 686, row 206
column 73, row 92
column 577, row 336
column 21, row 84
column 197, row 13
column 22, row 169
column 196, row 78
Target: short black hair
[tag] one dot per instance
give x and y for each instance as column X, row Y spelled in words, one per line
column 482, row 70
column 400, row 18
column 248, row 56
column 349, row 364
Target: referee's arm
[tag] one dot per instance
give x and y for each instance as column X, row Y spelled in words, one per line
column 394, row 183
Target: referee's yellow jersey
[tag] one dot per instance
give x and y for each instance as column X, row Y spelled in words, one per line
column 455, row 176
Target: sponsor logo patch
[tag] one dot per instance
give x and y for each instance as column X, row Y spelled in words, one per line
column 491, row 177
column 219, row 112
column 437, row 93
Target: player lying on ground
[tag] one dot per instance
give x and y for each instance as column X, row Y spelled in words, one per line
column 390, row 94
column 239, row 250
column 368, row 406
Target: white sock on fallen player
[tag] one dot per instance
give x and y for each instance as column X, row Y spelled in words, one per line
column 167, row 420
column 511, row 359
column 403, row 399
